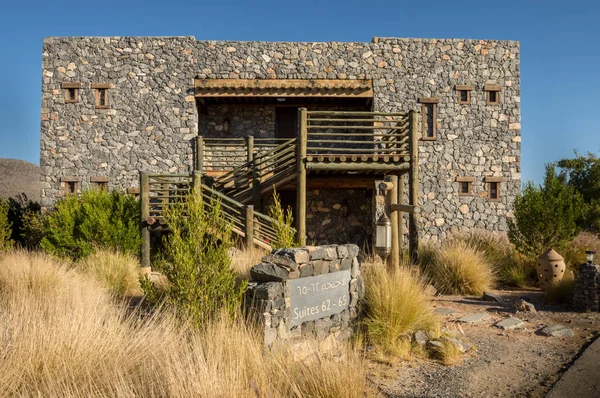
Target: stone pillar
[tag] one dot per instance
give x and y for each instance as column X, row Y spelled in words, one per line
column 586, row 292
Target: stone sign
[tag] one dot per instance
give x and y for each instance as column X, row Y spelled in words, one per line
column 318, row 296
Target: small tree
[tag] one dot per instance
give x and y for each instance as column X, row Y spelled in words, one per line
column 79, row 224
column 283, row 225
column 196, row 263
column 5, row 226
column 545, row 217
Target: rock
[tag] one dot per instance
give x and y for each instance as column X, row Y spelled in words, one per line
column 266, row 272
column 268, row 291
column 353, row 250
column 556, row 330
column 420, row 337
column 306, row 270
column 523, row 306
column 445, row 311
column 435, row 344
column 320, row 267
column 281, row 261
column 430, row 290
column 489, row 296
column 330, row 253
column 315, row 252
column 474, row 318
column 461, row 345
column 509, row 323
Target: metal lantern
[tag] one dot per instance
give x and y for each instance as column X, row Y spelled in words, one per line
column 589, row 254
column 383, row 236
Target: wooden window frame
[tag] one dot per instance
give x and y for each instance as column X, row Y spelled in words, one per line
column 67, row 87
column 492, row 89
column 135, row 191
column 425, row 103
column 459, row 90
column 100, row 183
column 469, row 181
column 99, row 88
column 70, row 184
column 493, row 180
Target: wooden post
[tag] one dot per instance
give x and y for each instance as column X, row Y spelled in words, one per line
column 145, row 213
column 199, row 154
column 249, row 148
column 413, row 186
column 301, row 178
column 197, row 182
column 401, row 215
column 249, row 226
column 391, row 198
column 256, row 194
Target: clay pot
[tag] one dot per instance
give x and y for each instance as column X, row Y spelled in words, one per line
column 550, row 269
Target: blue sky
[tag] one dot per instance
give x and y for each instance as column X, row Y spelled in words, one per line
column 560, row 51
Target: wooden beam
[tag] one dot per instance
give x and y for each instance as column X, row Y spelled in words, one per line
column 145, row 213
column 301, row 178
column 400, row 207
column 391, row 200
column 413, row 187
column 401, row 216
column 249, row 226
column 358, row 166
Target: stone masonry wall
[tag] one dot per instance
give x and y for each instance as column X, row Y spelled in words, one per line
column 153, row 119
column 268, row 296
column 586, row 292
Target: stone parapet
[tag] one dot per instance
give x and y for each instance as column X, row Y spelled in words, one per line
column 306, row 294
column 586, row 292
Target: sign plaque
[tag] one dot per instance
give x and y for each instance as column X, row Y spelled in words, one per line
column 320, row 296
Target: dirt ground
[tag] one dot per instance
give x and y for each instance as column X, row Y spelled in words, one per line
column 512, row 363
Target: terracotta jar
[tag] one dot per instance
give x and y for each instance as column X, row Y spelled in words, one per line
column 550, row 269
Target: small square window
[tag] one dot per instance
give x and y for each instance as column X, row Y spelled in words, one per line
column 492, row 95
column 493, row 184
column 99, row 183
column 70, row 184
column 71, row 92
column 464, row 94
column 465, row 185
column 429, row 118
column 101, row 95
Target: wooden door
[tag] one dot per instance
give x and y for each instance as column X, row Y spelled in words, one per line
column 286, row 122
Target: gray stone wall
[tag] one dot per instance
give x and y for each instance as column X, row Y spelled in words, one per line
column 268, row 299
column 586, row 291
column 153, row 118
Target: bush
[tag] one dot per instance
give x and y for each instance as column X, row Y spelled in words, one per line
column 117, row 272
column 396, row 305
column 283, row 225
column 5, row 227
column 25, row 214
column 512, row 268
column 197, row 264
column 63, row 336
column 458, row 268
column 545, row 217
column 79, row 224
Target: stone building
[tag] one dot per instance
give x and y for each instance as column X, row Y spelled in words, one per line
column 115, row 106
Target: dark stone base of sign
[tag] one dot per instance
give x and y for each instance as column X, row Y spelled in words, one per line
column 307, row 298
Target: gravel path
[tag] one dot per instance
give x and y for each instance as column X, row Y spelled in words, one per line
column 504, row 363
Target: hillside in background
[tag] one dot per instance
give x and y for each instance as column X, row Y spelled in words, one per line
column 19, row 176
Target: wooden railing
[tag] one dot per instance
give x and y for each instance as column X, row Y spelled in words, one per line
column 159, row 191
column 356, row 140
column 259, row 173
column 225, row 154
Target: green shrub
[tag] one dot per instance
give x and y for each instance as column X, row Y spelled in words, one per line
column 23, row 213
column 5, row 227
column 79, row 224
column 396, row 305
column 458, row 268
column 546, row 216
column 283, row 225
column 117, row 272
column 196, row 263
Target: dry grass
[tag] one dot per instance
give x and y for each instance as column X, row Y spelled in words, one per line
column 574, row 254
column 447, row 352
column 562, row 292
column 118, row 272
column 396, row 305
column 458, row 268
column 243, row 260
column 62, row 335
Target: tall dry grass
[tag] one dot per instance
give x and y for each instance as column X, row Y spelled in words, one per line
column 62, row 335
column 459, row 268
column 118, row 272
column 243, row 260
column 396, row 304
